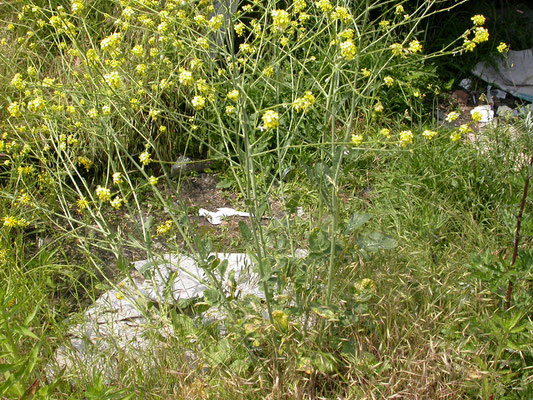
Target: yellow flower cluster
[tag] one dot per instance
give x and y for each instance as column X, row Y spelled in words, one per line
column 280, row 20
column 87, row 164
column 145, row 158
column 17, row 82
column 452, row 116
column 429, row 134
column 14, row 110
column 481, row 34
column 164, row 228
column 478, row 20
column 117, row 178
column 397, row 49
column 198, row 102
column 103, row 193
column 406, row 138
column 304, row 103
column 270, row 119
column 348, row 50
column 415, row 46
column 456, row 136
column 389, row 81
column 342, row 13
column 13, row 222
column 324, row 5
column 37, row 104
column 503, row 47
column 113, row 79
column 476, row 116
column 117, row 202
column 233, row 95
column 239, row 29
column 111, row 42
column 299, row 6
column 357, row 139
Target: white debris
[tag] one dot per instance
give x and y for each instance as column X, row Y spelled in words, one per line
column 487, row 114
column 215, row 218
column 120, row 320
column 465, row 83
column 513, row 73
column 506, row 112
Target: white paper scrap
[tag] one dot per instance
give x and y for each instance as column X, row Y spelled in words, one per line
column 216, row 217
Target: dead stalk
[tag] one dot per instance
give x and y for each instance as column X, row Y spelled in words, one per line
column 517, row 235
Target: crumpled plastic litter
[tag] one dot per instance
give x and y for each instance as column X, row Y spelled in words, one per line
column 120, row 320
column 216, row 217
column 513, row 73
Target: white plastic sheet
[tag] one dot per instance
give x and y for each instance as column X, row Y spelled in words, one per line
column 513, row 73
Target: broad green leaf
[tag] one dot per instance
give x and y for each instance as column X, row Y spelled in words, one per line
column 357, row 221
column 319, row 241
column 376, row 241
column 246, row 233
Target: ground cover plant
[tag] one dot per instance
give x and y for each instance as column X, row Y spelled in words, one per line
column 314, row 117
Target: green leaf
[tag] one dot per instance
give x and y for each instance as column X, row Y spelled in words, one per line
column 7, row 367
column 376, row 241
column 23, row 330
column 213, row 296
column 357, row 221
column 319, row 241
column 246, row 233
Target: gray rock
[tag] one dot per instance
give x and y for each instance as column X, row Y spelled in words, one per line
column 185, row 165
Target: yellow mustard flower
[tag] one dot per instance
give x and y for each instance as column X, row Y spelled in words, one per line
column 198, row 102
column 145, row 158
column 415, row 46
column 342, row 13
column 481, row 35
column 185, row 77
column 357, row 139
column 478, row 19
column 476, row 116
column 103, row 193
column 164, row 227
column 280, row 20
column 233, row 95
column 239, row 29
column 456, row 136
column 324, row 5
column 348, row 50
column 117, row 178
column 429, row 134
column 270, row 119
column 385, row 132
column 117, row 202
column 406, row 137
column 452, row 116
column 503, row 47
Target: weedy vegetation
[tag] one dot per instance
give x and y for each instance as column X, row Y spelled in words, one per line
column 316, row 118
